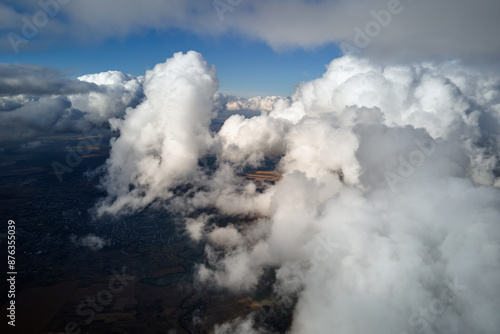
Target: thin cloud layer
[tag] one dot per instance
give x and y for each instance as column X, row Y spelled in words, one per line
column 91, row 241
column 393, row 29
column 39, row 81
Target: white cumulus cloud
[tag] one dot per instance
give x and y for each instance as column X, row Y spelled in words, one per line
column 388, row 202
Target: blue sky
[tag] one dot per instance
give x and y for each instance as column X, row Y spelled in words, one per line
column 245, row 67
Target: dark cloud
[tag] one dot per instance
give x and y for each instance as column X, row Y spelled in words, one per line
column 37, row 80
column 36, row 100
column 43, row 116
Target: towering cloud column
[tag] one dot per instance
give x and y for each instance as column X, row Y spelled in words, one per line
column 161, row 140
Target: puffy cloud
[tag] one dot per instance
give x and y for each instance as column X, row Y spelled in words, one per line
column 13, row 102
column 91, row 241
column 250, row 140
column 449, row 101
column 42, row 116
column 225, row 237
column 194, row 227
column 121, row 91
column 392, row 255
column 255, row 103
column 319, row 149
column 355, row 257
column 386, row 218
column 162, row 139
column 41, row 101
column 238, row 325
